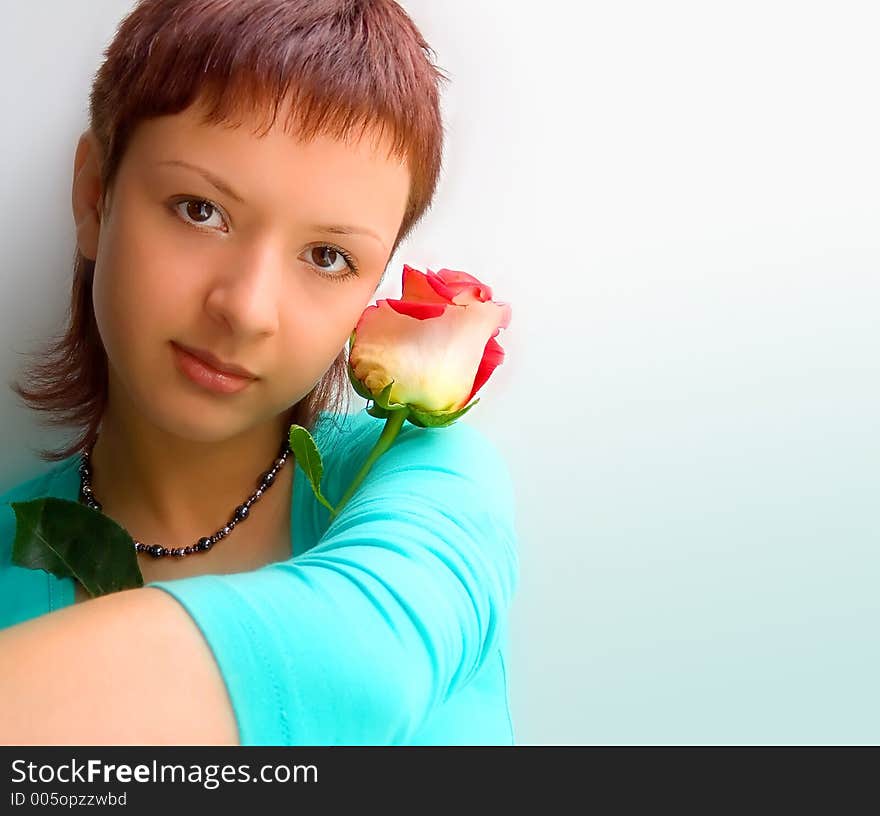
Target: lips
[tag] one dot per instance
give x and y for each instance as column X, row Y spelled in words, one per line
column 217, row 363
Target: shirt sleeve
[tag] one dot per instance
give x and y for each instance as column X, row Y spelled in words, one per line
column 398, row 605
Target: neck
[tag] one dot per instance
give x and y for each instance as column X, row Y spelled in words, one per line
column 169, row 490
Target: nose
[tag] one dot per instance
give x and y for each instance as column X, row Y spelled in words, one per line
column 246, row 292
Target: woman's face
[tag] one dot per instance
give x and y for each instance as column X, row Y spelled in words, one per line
column 252, row 269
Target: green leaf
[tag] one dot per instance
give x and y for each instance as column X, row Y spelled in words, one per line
column 308, row 457
column 378, row 411
column 70, row 540
column 437, row 419
column 383, row 400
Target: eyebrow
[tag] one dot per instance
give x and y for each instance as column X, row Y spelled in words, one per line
column 226, row 189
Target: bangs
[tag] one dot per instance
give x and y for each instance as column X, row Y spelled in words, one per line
column 304, row 115
column 337, row 68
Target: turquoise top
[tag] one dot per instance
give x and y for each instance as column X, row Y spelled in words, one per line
column 387, row 627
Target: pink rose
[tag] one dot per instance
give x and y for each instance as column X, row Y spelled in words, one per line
column 430, row 351
column 419, row 359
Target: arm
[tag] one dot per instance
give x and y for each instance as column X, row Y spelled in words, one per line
column 355, row 641
column 405, row 597
column 130, row 668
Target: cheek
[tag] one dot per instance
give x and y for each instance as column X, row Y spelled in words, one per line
column 327, row 324
column 136, row 294
column 310, row 339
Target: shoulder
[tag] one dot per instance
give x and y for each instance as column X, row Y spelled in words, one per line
column 34, row 486
column 23, row 591
column 342, row 435
column 459, row 457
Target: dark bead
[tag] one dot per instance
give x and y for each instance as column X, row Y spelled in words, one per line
column 188, row 550
column 204, row 544
column 257, row 494
column 267, row 478
column 241, row 512
column 279, row 462
column 155, row 551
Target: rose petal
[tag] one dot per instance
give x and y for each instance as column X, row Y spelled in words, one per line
column 417, row 289
column 444, row 286
column 460, row 287
column 434, row 361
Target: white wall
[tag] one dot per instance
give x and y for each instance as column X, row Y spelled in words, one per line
column 680, row 202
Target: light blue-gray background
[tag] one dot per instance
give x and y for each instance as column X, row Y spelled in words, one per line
column 680, row 201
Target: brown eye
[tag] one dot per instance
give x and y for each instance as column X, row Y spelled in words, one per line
column 325, row 256
column 332, row 262
column 198, row 212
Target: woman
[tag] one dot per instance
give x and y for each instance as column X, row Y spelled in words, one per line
column 249, row 170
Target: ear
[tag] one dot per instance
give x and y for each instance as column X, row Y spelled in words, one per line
column 87, row 195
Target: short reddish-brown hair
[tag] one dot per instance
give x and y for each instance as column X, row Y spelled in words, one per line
column 342, row 64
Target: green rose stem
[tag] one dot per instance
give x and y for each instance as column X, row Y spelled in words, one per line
column 393, row 424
